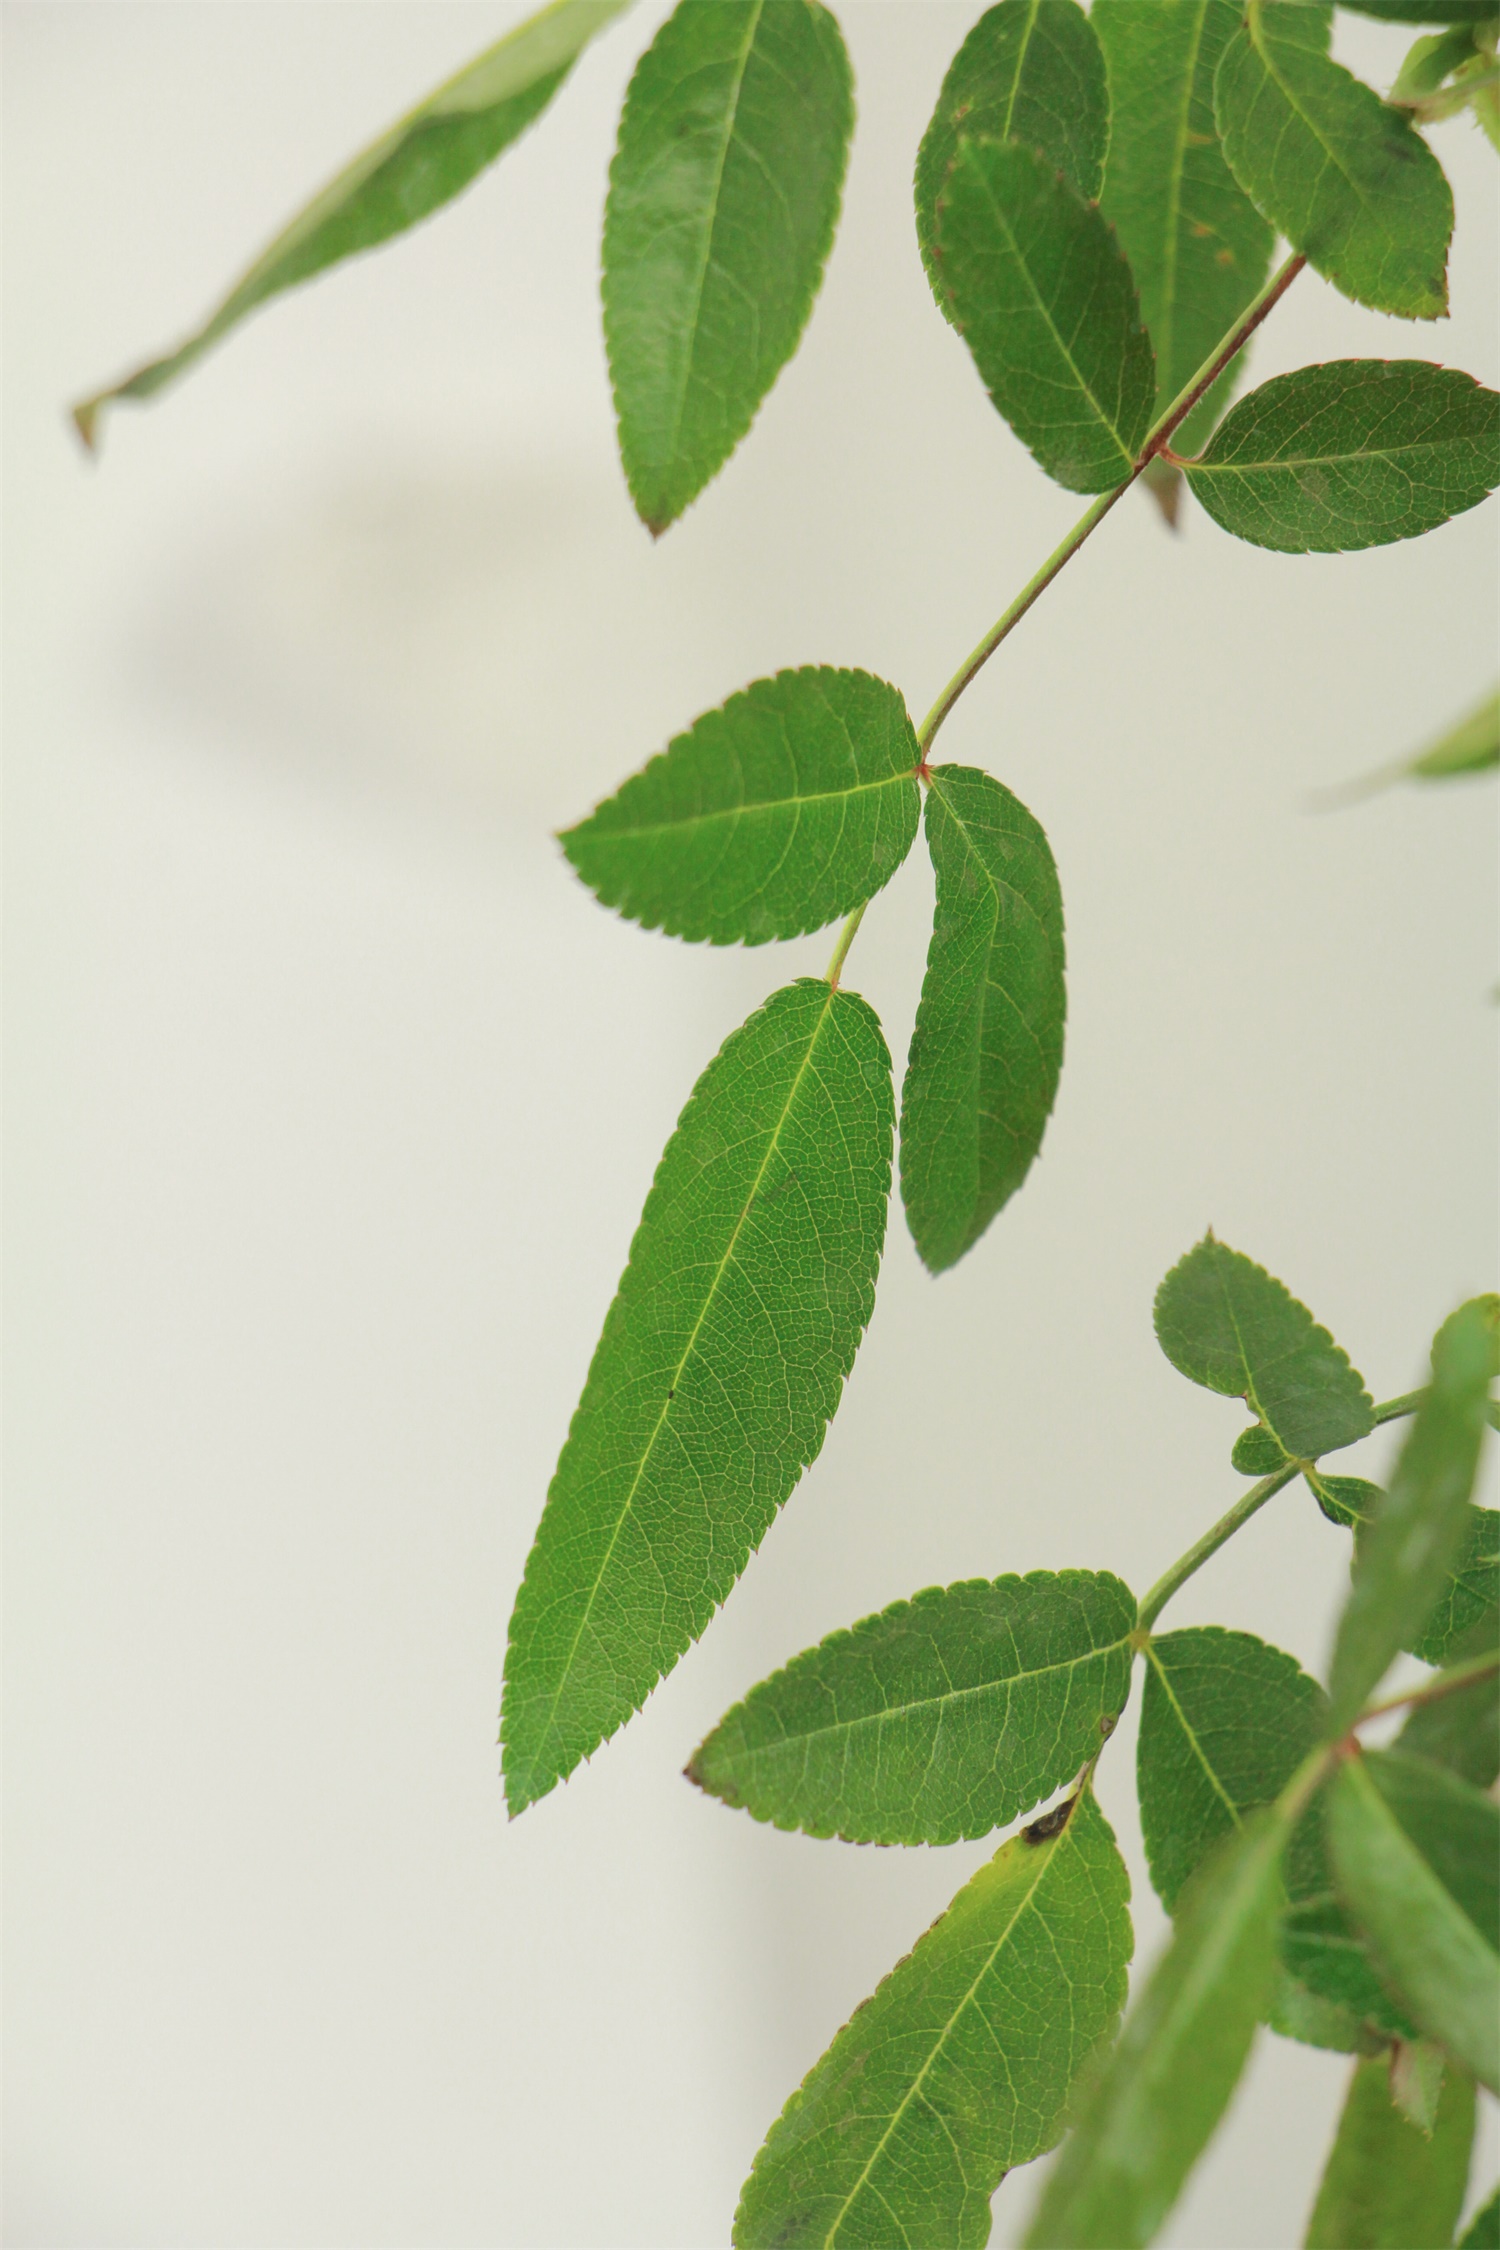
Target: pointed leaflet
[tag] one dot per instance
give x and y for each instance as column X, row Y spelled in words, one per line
column 420, row 163
column 1416, row 1853
column 1472, row 1580
column 1484, row 2229
column 1146, row 2118
column 987, row 1049
column 1225, row 1722
column 1386, row 2184
column 750, row 1280
column 723, row 197
column 1348, row 181
column 774, row 814
column 1255, row 1453
column 1461, row 1729
column 1198, row 248
column 1354, row 454
column 1042, row 296
column 1030, row 71
column 961, row 2064
column 942, row 1717
column 1471, row 747
column 1223, row 1321
column 1403, row 1564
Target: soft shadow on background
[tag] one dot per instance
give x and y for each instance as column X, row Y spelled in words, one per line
column 333, row 1099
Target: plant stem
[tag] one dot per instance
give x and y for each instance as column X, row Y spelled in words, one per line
column 846, row 939
column 1432, row 1691
column 1213, row 1539
column 1394, row 1408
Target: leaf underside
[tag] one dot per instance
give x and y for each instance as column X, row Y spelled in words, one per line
column 1387, row 2184
column 769, row 817
column 986, row 1053
column 723, row 199
column 942, row 1717
column 960, row 2065
column 751, row 1278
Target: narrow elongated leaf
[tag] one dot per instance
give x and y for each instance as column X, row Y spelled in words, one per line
column 1355, row 454
column 943, row 1717
column 986, row 1052
column 1461, row 1729
column 1197, row 246
column 1470, row 1585
column 1149, row 2114
column 1030, row 71
column 1484, row 2230
column 1386, row 2184
column 1223, row 1321
column 417, row 165
column 723, row 198
column 750, row 1280
column 1403, row 1564
column 771, row 816
column 961, row 2064
column 1225, row 1722
column 1428, row 1910
column 1038, row 288
column 1426, row 11
column 1349, row 182
column 1321, row 1950
column 1299, row 2013
column 1472, row 746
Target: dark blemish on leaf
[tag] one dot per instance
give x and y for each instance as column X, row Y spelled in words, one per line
column 1108, row 1723
column 1051, row 1822
column 673, row 1392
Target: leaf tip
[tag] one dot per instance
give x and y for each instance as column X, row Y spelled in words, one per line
column 85, row 419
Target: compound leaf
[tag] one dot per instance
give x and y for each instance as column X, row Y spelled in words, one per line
column 751, row 1278
column 944, row 1716
column 416, row 166
column 1223, row 1321
column 723, row 198
column 1225, row 1721
column 1416, row 1854
column 1347, row 180
column 986, row 1052
column 1461, row 1729
column 770, row 816
column 1387, row 2184
column 961, row 2064
column 1039, row 289
column 1198, row 248
column 1404, row 1562
column 1353, row 454
column 1030, row 71
column 1148, row 2115
column 1484, row 2229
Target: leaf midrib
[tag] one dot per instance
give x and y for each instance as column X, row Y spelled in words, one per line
column 1174, row 203
column 1190, row 1732
column 1261, row 40
column 1332, row 460
column 747, row 808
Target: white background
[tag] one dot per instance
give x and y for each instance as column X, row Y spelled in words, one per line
column 333, row 1099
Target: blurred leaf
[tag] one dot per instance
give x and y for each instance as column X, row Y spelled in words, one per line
column 1461, row 1730
column 1427, row 11
column 961, row 2064
column 1470, row 747
column 1430, row 62
column 987, row 1049
column 769, row 817
column 1354, row 454
column 1345, row 179
column 1470, row 1585
column 1417, row 2070
column 944, row 1716
column 417, row 165
column 1149, row 2113
column 1223, row 1321
column 1415, row 1538
column 1387, row 2185
column 1484, row 2230
column 1038, row 287
column 1416, row 1853
column 751, row 1278
column 1030, row 71
column 723, row 199
column 1299, row 2013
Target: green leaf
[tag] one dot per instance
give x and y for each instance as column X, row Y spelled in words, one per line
column 1149, row 2113
column 1225, row 1721
column 961, row 2064
column 1416, row 1853
column 1255, row 1453
column 1461, row 1730
column 1348, row 181
column 987, row 1049
column 1355, row 454
column 1038, row 288
column 1198, row 248
column 1484, row 2231
column 1386, row 2184
column 1030, row 71
column 751, row 1278
column 1472, row 746
column 945, row 1716
column 1223, row 1321
column 1427, row 11
column 1298, row 2013
column 780, row 811
column 1320, row 1949
column 417, row 165
column 1470, row 1585
column 1430, row 62
column 723, row 198
column 1415, row 1538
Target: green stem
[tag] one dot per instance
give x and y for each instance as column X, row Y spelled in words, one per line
column 1394, row 1408
column 1213, row 1539
column 1432, row 1691
column 846, row 939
